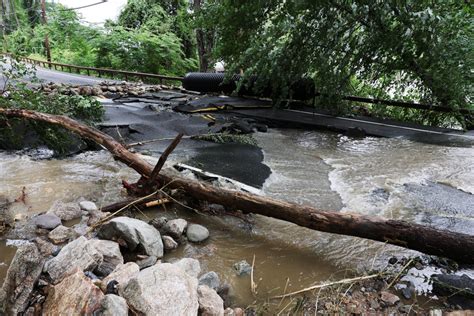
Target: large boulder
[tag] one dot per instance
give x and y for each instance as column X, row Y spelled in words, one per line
column 122, row 275
column 458, row 288
column 23, row 273
column 210, row 303
column 113, row 305
column 75, row 295
column 163, row 289
column 79, row 253
column 111, row 254
column 45, row 247
column 7, row 217
column 190, row 266
column 137, row 235
column 65, row 211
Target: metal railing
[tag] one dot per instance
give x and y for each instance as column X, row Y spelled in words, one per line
column 104, row 72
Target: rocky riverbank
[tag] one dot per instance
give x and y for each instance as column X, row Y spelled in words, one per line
column 60, row 270
column 117, row 267
column 108, row 89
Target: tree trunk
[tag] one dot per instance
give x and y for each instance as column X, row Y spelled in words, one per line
column 457, row 246
column 204, row 40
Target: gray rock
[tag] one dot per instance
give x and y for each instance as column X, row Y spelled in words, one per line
column 45, row 247
column 88, row 206
column 197, row 233
column 93, row 213
column 7, row 217
column 111, row 254
column 229, row 312
column 389, row 298
column 65, row 211
column 134, row 233
column 175, row 227
column 408, row 292
column 79, row 253
column 47, row 221
column 159, row 222
column 210, row 303
column 82, row 228
column 147, row 262
column 22, row 274
column 190, row 266
column 122, row 274
column 210, row 279
column 169, row 243
column 242, row 268
column 114, row 305
column 163, row 289
column 61, row 234
column 436, row 312
column 374, row 304
column 75, row 295
column 449, row 284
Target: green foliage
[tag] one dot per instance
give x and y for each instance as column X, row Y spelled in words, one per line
column 161, row 17
column 418, row 50
column 142, row 50
column 224, row 138
column 17, row 95
column 147, row 39
column 145, row 14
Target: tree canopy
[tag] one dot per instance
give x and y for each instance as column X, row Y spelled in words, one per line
column 415, row 50
column 420, row 50
column 147, row 37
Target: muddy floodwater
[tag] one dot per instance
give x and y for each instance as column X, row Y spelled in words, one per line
column 394, row 178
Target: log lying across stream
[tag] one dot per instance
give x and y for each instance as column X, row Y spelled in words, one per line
column 457, row 246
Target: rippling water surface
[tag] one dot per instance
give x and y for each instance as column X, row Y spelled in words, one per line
column 393, row 178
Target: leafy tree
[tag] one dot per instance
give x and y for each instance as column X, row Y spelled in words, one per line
column 161, row 17
column 416, row 49
column 141, row 50
column 16, row 94
column 145, row 39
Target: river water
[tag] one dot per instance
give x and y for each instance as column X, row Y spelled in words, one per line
column 393, row 178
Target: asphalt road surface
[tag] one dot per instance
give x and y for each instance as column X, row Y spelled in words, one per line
column 47, row 75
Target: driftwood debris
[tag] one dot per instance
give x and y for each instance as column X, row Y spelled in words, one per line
column 456, row 246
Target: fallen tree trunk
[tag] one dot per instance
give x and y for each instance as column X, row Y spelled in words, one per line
column 457, row 246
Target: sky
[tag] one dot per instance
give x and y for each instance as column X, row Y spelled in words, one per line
column 98, row 13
